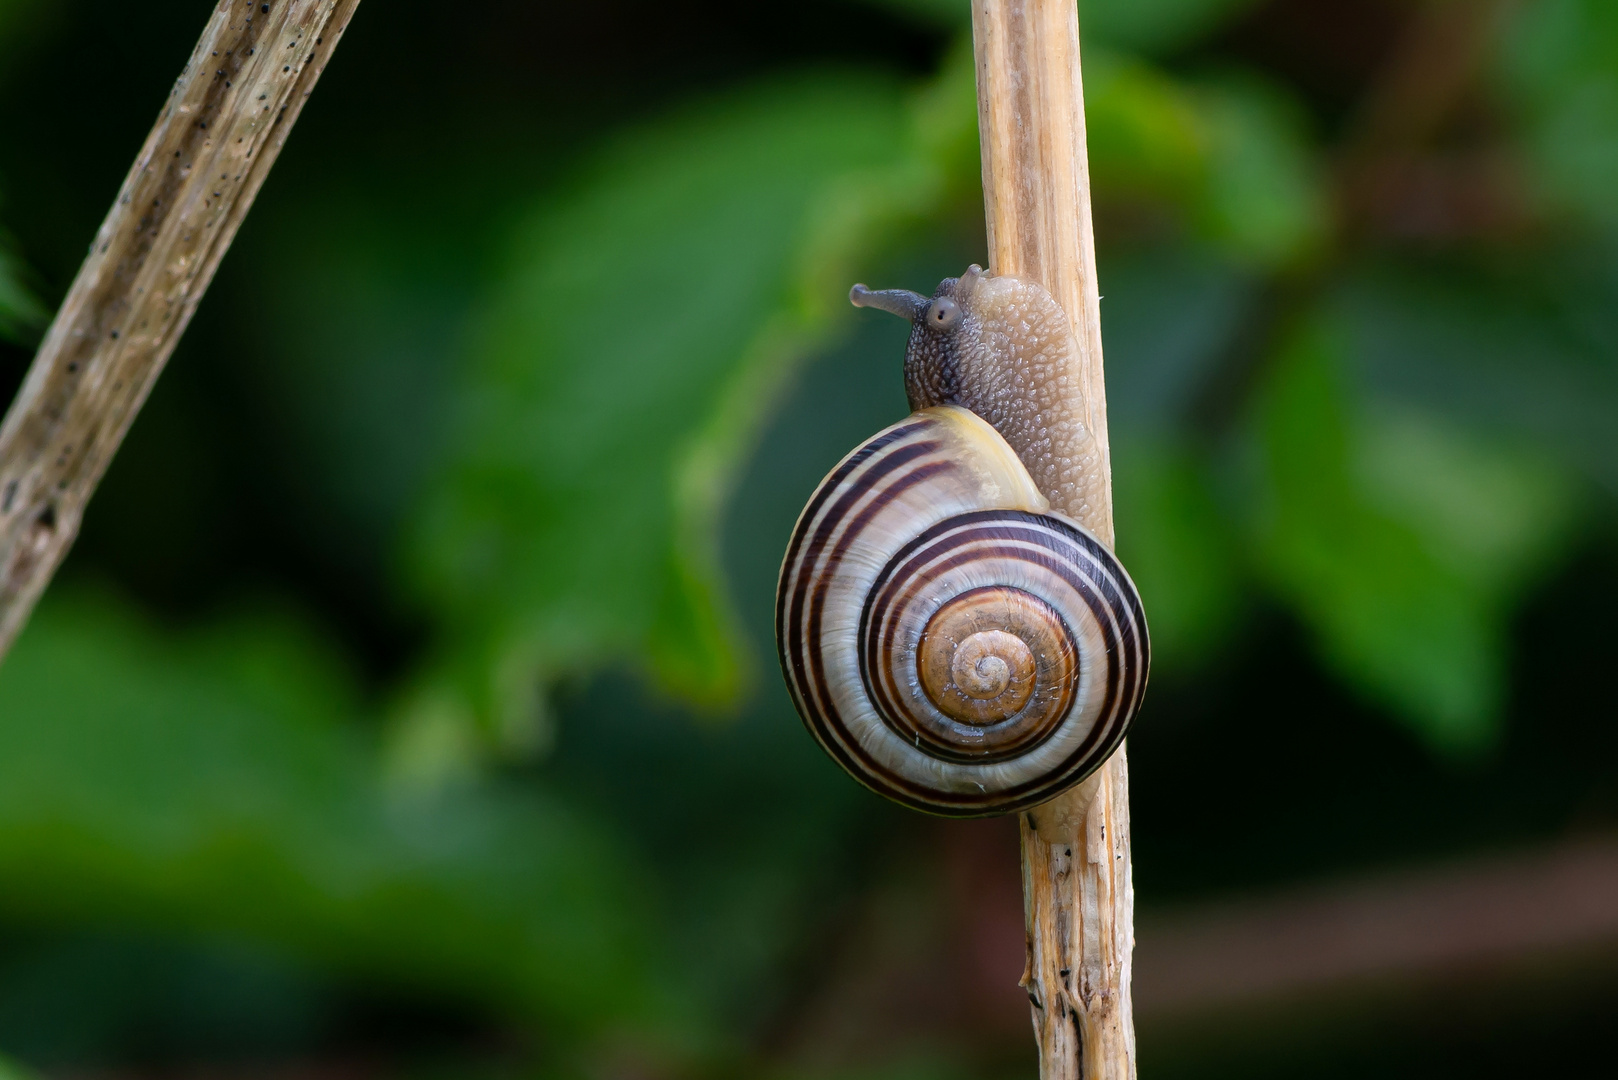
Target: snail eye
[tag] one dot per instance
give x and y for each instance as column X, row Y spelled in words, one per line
column 943, row 313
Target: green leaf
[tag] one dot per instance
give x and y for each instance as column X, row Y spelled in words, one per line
column 1180, row 550
column 10, row 1070
column 1559, row 67
column 1492, row 513
column 652, row 314
column 1145, row 133
column 214, row 783
column 1170, row 318
column 1230, row 156
column 1526, row 354
column 21, row 313
column 1399, row 539
column 1264, row 200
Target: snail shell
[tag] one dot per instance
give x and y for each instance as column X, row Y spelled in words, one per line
column 948, row 640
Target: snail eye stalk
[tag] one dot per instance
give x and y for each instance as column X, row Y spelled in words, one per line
column 901, row 302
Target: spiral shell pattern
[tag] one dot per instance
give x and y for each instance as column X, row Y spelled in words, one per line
column 948, row 640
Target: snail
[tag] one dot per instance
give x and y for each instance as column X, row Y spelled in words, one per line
column 950, row 639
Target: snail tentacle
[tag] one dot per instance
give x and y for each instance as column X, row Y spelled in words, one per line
column 901, row 302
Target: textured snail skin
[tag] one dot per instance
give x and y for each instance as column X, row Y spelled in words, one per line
column 949, row 641
column 1008, row 358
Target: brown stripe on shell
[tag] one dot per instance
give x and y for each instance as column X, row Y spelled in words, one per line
column 800, row 643
column 1107, row 732
column 817, row 604
column 1099, row 557
column 799, row 560
column 877, row 645
column 856, row 493
column 853, row 461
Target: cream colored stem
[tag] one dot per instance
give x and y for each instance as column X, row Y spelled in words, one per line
column 187, row 193
column 1076, row 866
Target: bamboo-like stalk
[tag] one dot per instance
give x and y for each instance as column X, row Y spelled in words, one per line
column 190, row 187
column 1078, row 896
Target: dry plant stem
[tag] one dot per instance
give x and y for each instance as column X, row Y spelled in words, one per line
column 1076, row 875
column 187, row 193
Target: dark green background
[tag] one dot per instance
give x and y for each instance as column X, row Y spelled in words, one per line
column 408, row 702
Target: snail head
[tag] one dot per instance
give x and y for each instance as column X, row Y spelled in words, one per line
column 946, row 329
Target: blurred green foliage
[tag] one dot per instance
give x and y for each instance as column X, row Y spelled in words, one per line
column 1386, row 432
column 215, row 781
column 1398, row 539
column 1560, row 64
column 648, row 322
column 1227, row 155
column 21, row 313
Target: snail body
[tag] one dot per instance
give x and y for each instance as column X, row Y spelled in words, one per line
column 946, row 636
column 1004, row 348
